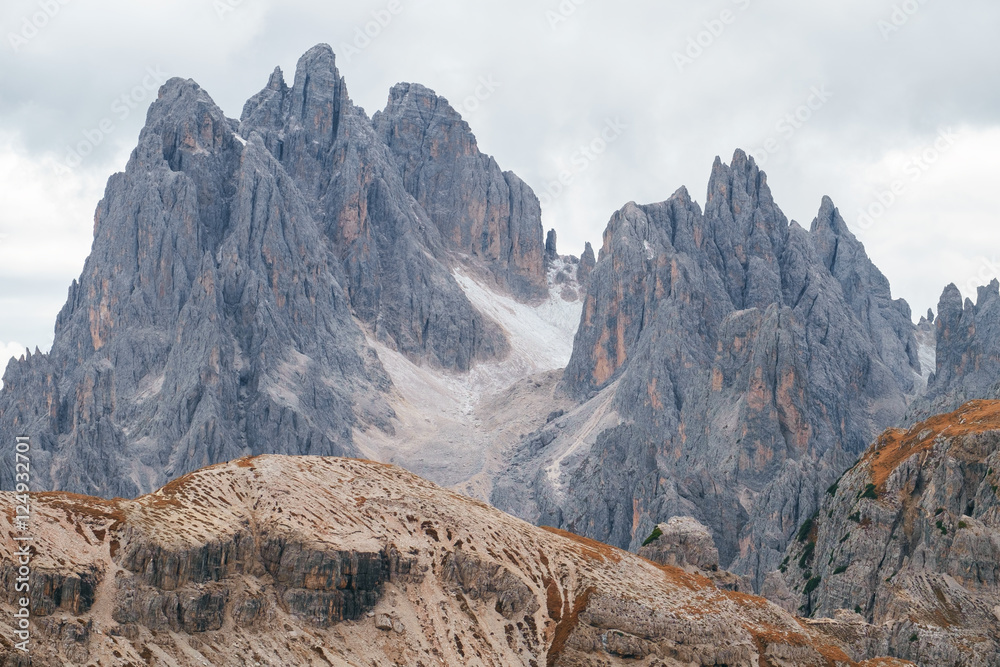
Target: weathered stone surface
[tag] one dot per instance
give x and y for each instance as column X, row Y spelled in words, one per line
column 737, row 364
column 217, row 314
column 686, row 543
column 72, row 590
column 682, row 541
column 910, row 540
column 481, row 212
column 280, row 560
column 967, row 340
column 587, row 264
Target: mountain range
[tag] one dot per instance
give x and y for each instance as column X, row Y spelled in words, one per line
column 309, row 281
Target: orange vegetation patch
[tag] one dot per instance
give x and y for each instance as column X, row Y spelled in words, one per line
column 896, row 445
column 566, row 626
column 679, row 577
column 245, row 462
column 553, row 599
column 766, row 634
column 173, row 487
column 746, row 601
column 94, row 509
column 589, row 549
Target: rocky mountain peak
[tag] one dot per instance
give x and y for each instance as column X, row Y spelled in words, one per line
column 967, row 351
column 738, row 195
column 828, row 221
column 488, row 219
column 239, row 273
column 587, row 263
column 728, row 365
column 551, row 251
column 276, row 81
column 317, row 95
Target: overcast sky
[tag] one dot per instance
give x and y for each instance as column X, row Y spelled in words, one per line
column 861, row 100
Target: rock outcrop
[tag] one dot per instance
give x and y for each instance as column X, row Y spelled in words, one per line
column 551, row 252
column 682, row 542
column 297, row 561
column 685, row 543
column 967, row 337
column 909, row 541
column 243, row 271
column 587, row 264
column 487, row 214
column 730, row 366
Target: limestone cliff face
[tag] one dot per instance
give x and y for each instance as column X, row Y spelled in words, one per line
column 967, row 337
column 587, row 263
column 730, row 365
column 391, row 253
column 210, row 315
column 909, row 540
column 236, row 271
column 487, row 214
column 297, row 561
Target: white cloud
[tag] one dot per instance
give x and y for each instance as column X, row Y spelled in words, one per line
column 46, row 225
column 941, row 227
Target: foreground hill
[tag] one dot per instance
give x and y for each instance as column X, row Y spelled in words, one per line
column 905, row 551
column 321, row 561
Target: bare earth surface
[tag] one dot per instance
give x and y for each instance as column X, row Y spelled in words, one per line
column 322, row 561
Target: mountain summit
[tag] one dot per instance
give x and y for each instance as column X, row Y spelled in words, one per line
column 306, row 280
column 729, row 365
column 242, row 271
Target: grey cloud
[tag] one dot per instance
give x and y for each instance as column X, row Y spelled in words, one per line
column 560, row 84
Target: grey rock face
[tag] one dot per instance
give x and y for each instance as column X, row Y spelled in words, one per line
column 480, row 211
column 217, row 314
column 744, row 362
column 908, row 539
column 587, row 264
column 682, row 541
column 551, row 252
column 968, row 352
column 391, row 252
column 191, row 335
column 866, row 290
column 686, row 543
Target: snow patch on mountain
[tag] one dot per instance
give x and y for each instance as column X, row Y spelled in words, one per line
column 448, row 426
